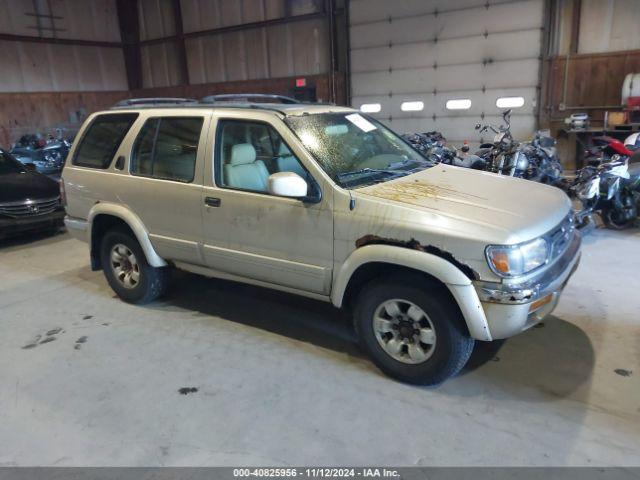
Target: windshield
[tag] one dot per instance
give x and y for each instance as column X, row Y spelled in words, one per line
column 8, row 164
column 356, row 150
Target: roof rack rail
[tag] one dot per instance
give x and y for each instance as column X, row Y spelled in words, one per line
column 135, row 102
column 248, row 98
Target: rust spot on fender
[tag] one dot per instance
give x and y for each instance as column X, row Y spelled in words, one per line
column 413, row 244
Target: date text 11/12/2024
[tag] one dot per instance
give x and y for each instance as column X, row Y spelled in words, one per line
column 315, row 472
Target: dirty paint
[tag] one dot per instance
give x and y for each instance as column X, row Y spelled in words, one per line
column 413, row 244
column 416, row 190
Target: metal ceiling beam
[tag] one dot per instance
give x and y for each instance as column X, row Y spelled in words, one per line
column 182, row 51
column 59, row 41
column 130, row 34
column 240, row 27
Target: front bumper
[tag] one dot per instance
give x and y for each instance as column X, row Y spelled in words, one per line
column 15, row 226
column 513, row 308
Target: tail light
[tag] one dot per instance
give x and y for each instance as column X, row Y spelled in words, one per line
column 63, row 193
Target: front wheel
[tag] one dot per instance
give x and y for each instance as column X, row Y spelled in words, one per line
column 415, row 335
column 127, row 270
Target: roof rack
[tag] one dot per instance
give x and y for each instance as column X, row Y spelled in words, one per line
column 248, row 98
column 136, row 102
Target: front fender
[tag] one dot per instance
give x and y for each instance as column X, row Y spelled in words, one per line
column 452, row 277
column 134, row 222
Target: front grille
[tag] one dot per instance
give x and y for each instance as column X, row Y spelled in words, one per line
column 560, row 237
column 29, row 208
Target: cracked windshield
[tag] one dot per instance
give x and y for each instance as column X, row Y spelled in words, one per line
column 355, row 150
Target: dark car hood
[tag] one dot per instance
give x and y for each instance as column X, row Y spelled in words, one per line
column 15, row 187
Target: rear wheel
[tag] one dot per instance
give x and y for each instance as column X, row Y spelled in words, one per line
column 621, row 218
column 415, row 335
column 127, row 270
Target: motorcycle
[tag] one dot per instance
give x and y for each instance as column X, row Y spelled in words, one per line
column 544, row 164
column 536, row 160
column 432, row 145
column 611, row 189
column 603, row 149
column 504, row 155
column 46, row 156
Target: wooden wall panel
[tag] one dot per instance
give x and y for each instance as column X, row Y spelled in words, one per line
column 44, row 112
column 593, row 80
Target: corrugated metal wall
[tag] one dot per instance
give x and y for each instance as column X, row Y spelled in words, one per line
column 33, row 67
column 605, row 26
column 78, row 19
column 36, row 67
column 275, row 51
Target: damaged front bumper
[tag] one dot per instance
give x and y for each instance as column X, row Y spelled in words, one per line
column 512, row 307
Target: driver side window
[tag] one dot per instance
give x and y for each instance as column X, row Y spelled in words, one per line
column 248, row 152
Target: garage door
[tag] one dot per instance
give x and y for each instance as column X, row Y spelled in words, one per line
column 422, row 65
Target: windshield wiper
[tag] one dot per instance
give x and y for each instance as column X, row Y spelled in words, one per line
column 370, row 170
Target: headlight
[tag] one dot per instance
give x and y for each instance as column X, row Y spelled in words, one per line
column 514, row 260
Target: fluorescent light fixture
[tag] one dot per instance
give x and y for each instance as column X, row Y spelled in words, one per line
column 412, row 106
column 459, row 104
column 510, row 102
column 370, row 107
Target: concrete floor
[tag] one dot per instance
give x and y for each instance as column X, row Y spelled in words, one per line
column 279, row 380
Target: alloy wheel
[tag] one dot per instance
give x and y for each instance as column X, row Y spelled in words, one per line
column 125, row 266
column 404, row 331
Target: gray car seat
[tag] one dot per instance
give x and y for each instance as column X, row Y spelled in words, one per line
column 288, row 163
column 244, row 171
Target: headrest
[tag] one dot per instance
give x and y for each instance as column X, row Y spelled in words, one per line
column 283, row 150
column 242, row 153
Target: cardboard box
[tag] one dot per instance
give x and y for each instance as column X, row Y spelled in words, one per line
column 616, row 118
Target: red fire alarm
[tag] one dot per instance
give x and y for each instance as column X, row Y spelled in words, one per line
column 301, row 82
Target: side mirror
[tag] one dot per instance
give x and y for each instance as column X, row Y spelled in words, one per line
column 287, row 184
column 29, row 167
column 478, row 126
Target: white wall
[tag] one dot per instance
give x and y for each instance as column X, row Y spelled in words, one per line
column 609, row 26
column 32, row 67
column 432, row 51
column 605, row 26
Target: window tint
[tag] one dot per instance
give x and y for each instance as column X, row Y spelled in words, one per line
column 167, row 148
column 248, row 152
column 102, row 139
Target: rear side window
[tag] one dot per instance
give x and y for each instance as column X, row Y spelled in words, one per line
column 102, row 139
column 166, row 148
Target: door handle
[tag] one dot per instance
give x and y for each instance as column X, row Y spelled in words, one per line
column 212, row 202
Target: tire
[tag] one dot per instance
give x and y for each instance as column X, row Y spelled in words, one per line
column 612, row 217
column 151, row 282
column 444, row 357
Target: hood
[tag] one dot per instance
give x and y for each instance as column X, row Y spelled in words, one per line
column 520, row 209
column 27, row 185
